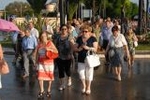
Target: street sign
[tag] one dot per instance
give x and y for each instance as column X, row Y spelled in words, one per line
column 87, row 13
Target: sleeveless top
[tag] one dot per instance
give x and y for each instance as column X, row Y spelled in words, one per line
column 42, row 54
column 64, row 48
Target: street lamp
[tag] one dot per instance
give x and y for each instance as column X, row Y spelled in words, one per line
column 147, row 14
column 140, row 17
column 62, row 12
column 122, row 18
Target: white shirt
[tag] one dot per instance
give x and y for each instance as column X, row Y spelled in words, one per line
column 118, row 41
column 48, row 28
column 35, row 32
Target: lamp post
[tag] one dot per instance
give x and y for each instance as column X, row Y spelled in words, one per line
column 122, row 18
column 104, row 9
column 62, row 12
column 141, row 17
column 147, row 14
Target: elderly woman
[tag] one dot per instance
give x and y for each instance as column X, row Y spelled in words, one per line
column 85, row 42
column 45, row 65
column 115, row 48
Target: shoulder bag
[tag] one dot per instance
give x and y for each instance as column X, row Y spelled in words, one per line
column 51, row 55
column 92, row 59
column 4, row 68
column 135, row 43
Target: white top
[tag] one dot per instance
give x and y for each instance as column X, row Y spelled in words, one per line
column 35, row 32
column 48, row 28
column 42, row 52
column 118, row 41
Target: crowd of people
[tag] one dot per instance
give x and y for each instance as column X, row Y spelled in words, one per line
column 72, row 41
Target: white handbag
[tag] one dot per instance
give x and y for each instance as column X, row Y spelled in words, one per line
column 135, row 43
column 92, row 60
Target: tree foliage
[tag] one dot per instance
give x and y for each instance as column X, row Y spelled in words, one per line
column 112, row 7
column 37, row 5
column 19, row 8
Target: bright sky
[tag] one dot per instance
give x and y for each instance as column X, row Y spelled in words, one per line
column 135, row 1
column 6, row 2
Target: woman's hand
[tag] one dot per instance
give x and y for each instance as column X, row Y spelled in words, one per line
column 49, row 49
column 80, row 48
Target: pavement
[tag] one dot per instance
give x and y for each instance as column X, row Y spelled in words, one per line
column 135, row 84
column 138, row 53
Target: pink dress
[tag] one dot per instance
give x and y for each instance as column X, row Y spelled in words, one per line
column 45, row 66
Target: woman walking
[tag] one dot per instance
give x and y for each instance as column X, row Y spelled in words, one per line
column 131, row 38
column 84, row 43
column 64, row 44
column 115, row 48
column 45, row 65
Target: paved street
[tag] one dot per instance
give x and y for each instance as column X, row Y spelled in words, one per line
column 135, row 85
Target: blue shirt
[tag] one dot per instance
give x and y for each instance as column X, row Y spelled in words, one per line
column 106, row 33
column 14, row 36
column 29, row 42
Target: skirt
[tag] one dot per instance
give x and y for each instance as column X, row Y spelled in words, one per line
column 46, row 72
column 117, row 59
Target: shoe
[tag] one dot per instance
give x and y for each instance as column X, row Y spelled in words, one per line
column 41, row 94
column 88, row 92
column 119, row 78
column 69, row 82
column 48, row 94
column 83, row 90
column 62, row 87
column 25, row 76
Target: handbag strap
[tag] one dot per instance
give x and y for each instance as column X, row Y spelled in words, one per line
column 90, row 52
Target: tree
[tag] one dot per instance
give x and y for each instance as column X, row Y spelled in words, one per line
column 37, row 5
column 111, row 8
column 73, row 6
column 18, row 8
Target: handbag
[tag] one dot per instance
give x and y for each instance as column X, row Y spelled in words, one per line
column 4, row 68
column 92, row 59
column 135, row 43
column 51, row 55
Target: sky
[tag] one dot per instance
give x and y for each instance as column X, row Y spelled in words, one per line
column 6, row 2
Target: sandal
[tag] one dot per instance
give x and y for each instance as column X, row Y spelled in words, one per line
column 41, row 95
column 48, row 94
column 83, row 91
column 88, row 92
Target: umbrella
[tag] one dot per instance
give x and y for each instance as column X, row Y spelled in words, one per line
column 7, row 26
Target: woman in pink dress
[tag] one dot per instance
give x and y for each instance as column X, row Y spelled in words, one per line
column 45, row 65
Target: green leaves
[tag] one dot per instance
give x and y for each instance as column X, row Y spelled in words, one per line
column 37, row 5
